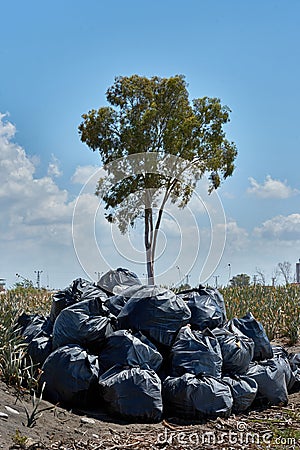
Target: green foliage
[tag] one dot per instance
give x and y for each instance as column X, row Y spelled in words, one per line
column 241, row 279
column 23, row 290
column 12, row 347
column 154, row 116
column 24, row 284
column 14, row 367
column 19, row 439
column 35, row 413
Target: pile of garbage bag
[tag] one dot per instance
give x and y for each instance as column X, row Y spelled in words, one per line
column 115, row 281
column 144, row 352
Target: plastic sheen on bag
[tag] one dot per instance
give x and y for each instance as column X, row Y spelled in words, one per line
column 67, row 297
column 86, row 323
column 124, row 348
column 291, row 372
column 71, row 375
column 194, row 397
column 39, row 349
column 237, row 351
column 271, row 381
column 250, row 327
column 155, row 311
column 115, row 303
column 207, row 307
column 115, row 281
column 196, row 352
column 132, row 393
column 34, row 325
column 244, row 390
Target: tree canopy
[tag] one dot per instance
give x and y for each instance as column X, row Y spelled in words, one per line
column 154, row 116
column 242, row 279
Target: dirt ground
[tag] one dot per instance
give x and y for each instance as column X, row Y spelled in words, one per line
column 56, row 428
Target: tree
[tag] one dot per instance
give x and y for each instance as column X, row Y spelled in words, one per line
column 25, row 283
column 275, row 275
column 154, row 117
column 260, row 277
column 285, row 269
column 241, row 279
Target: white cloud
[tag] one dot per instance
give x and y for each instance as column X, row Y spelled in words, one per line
column 36, row 216
column 237, row 238
column 35, row 208
column 7, row 129
column 36, row 227
column 271, row 188
column 281, row 227
column 228, row 195
column 53, row 168
column 83, row 173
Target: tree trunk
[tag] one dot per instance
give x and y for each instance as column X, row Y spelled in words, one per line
column 148, row 244
column 151, row 233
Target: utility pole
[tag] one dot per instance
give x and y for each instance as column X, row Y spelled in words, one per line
column 38, row 278
column 99, row 275
column 187, row 278
column 216, row 280
column 179, row 271
column 229, row 272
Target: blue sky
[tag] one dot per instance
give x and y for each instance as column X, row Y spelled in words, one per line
column 58, row 59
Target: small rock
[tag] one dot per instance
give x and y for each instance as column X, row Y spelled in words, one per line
column 96, row 436
column 3, row 415
column 87, row 420
column 11, row 410
column 31, row 443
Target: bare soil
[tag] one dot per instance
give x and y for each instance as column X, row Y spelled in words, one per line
column 57, row 428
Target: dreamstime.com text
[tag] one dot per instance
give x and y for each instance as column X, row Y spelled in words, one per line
column 228, row 440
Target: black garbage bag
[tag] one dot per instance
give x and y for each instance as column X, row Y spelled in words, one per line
column 237, row 351
column 92, row 291
column 39, row 349
column 86, row 323
column 115, row 281
column 271, row 380
column 196, row 352
column 244, row 390
column 71, row 376
column 132, row 393
column 155, row 311
column 115, row 303
column 125, row 349
column 34, row 325
column 282, row 357
column 24, row 320
column 67, row 297
column 194, row 397
column 207, row 307
column 294, row 361
column 250, row 327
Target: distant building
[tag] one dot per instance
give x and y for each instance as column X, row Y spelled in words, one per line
column 2, row 284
